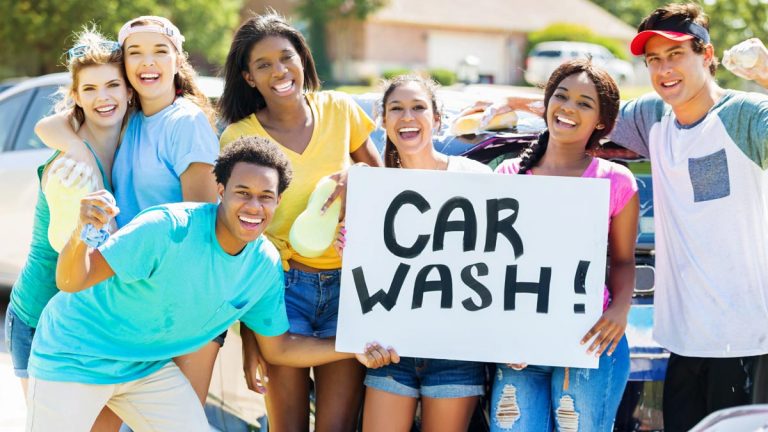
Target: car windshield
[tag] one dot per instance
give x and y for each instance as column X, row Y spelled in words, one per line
column 547, row 53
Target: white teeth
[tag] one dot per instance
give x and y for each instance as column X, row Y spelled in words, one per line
column 249, row 220
column 283, row 87
column 566, row 121
column 149, row 76
column 669, row 84
column 408, row 130
column 106, row 109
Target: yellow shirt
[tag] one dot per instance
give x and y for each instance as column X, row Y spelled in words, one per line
column 341, row 127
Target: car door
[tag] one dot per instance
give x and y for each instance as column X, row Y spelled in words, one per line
column 21, row 154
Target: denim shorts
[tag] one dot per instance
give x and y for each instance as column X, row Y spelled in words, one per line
column 433, row 378
column 312, row 302
column 18, row 339
column 220, row 338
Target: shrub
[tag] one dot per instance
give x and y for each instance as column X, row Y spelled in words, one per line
column 392, row 73
column 444, row 77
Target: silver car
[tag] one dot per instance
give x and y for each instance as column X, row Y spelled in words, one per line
column 21, row 152
column 545, row 57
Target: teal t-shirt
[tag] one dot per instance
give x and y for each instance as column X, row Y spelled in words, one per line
column 37, row 281
column 174, row 290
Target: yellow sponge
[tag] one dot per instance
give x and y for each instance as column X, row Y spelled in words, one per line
column 312, row 233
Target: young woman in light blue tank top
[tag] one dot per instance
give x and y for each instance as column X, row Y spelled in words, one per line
column 97, row 101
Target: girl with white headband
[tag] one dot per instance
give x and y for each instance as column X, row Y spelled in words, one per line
column 168, row 147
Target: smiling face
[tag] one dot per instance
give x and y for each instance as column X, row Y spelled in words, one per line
column 248, row 202
column 102, row 94
column 151, row 62
column 409, row 118
column 275, row 69
column 678, row 74
column 573, row 111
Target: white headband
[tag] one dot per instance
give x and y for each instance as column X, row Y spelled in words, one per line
column 158, row 25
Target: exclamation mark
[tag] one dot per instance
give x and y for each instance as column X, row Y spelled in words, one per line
column 579, row 285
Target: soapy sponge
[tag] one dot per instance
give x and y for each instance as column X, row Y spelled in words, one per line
column 312, row 232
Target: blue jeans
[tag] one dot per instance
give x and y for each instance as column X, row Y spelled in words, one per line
column 18, row 338
column 431, row 378
column 534, row 399
column 312, row 302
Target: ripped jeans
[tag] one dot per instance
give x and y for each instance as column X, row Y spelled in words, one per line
column 534, row 399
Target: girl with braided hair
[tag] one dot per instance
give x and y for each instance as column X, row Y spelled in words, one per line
column 581, row 103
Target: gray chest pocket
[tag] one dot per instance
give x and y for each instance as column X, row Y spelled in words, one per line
column 709, row 176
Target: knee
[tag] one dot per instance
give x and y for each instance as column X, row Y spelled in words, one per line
column 506, row 411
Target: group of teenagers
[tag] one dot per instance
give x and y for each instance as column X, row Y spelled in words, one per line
column 128, row 332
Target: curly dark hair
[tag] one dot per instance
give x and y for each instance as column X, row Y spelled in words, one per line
column 255, row 150
column 690, row 11
column 608, row 106
column 430, row 86
column 239, row 100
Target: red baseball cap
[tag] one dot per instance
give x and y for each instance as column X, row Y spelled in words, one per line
column 677, row 29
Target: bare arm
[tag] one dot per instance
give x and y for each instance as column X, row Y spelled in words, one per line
column 302, row 351
column 610, row 328
column 57, row 132
column 366, row 154
column 198, row 183
column 254, row 364
column 77, row 267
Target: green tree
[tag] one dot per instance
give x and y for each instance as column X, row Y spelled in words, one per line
column 731, row 21
column 320, row 13
column 35, row 33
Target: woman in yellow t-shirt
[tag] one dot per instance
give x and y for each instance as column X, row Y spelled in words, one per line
column 272, row 90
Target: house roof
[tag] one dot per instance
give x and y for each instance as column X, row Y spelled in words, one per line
column 506, row 15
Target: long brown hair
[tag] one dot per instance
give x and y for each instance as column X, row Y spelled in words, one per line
column 94, row 50
column 184, row 81
column 391, row 156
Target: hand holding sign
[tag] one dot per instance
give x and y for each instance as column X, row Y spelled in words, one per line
column 607, row 331
column 376, row 356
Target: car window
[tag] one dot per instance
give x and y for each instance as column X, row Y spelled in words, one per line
column 548, row 53
column 11, row 110
column 42, row 105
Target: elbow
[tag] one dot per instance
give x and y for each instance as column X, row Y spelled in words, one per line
column 276, row 357
column 39, row 127
column 68, row 286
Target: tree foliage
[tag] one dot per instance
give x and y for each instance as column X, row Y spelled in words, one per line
column 731, row 21
column 35, row 33
column 319, row 13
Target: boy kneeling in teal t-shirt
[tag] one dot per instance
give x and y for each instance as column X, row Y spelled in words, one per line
column 165, row 285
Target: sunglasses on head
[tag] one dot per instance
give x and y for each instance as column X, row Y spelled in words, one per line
column 80, row 50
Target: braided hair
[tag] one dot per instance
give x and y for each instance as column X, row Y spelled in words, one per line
column 608, row 102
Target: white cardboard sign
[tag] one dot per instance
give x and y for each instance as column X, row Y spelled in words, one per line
column 467, row 266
